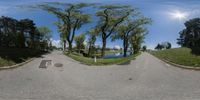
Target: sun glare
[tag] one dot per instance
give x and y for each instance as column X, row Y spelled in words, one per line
column 179, row 15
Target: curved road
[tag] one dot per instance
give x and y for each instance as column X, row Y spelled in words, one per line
column 145, row 78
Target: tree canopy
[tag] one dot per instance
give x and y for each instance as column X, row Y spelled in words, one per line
column 190, row 36
column 71, row 18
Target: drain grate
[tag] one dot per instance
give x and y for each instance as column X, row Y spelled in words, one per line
column 45, row 63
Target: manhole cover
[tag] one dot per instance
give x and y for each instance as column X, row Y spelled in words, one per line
column 45, row 63
column 58, row 65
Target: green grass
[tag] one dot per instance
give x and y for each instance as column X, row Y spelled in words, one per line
column 11, row 56
column 101, row 61
column 182, row 56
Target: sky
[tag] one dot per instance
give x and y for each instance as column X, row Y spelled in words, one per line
column 168, row 17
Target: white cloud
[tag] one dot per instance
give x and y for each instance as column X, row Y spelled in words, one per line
column 56, row 43
column 117, row 47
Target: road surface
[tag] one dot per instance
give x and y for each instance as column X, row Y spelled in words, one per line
column 145, row 78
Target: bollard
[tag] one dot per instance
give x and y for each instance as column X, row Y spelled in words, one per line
column 95, row 59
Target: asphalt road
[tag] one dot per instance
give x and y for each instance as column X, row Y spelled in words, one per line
column 145, row 78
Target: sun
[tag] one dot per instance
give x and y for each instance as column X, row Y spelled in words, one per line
column 179, row 15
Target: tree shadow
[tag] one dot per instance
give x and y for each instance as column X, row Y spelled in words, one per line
column 125, row 63
column 195, row 51
column 19, row 55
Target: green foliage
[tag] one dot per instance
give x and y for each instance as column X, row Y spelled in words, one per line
column 11, row 56
column 182, row 56
column 137, row 38
column 91, row 41
column 164, row 45
column 110, row 17
column 144, row 48
column 45, row 36
column 129, row 29
column 79, row 40
column 159, row 47
column 20, row 33
column 71, row 18
column 190, row 37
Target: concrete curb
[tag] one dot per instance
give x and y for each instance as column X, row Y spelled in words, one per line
column 177, row 65
column 181, row 66
column 16, row 65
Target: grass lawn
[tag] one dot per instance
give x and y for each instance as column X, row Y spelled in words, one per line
column 101, row 61
column 11, row 56
column 182, row 56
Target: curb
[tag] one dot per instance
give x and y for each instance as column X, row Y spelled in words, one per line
column 16, row 65
column 177, row 65
column 181, row 66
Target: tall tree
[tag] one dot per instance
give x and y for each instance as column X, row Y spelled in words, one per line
column 190, row 36
column 27, row 27
column 79, row 40
column 144, row 48
column 44, row 37
column 91, row 41
column 8, row 31
column 127, row 29
column 110, row 17
column 137, row 39
column 72, row 18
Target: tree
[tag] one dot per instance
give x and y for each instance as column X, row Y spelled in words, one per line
column 110, row 17
column 144, row 48
column 79, row 40
column 8, row 31
column 137, row 38
column 44, row 36
column 91, row 41
column 166, row 45
column 27, row 26
column 190, row 36
column 159, row 47
column 71, row 17
column 127, row 29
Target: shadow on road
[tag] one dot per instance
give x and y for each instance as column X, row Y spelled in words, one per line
column 125, row 63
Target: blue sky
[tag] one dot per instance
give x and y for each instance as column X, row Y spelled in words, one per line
column 168, row 16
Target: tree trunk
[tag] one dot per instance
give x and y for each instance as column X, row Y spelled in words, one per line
column 89, row 51
column 125, row 44
column 22, row 40
column 64, row 45
column 103, row 47
column 70, row 47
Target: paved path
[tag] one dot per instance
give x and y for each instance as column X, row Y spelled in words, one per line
column 145, row 78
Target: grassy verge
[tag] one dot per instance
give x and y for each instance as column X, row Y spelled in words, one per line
column 101, row 61
column 11, row 56
column 182, row 56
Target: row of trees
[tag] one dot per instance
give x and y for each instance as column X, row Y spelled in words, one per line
column 164, row 45
column 190, row 36
column 115, row 21
column 22, row 33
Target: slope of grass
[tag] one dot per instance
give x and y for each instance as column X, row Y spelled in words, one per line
column 182, row 56
column 11, row 56
column 100, row 61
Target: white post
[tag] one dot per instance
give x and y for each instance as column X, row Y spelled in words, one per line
column 95, row 59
